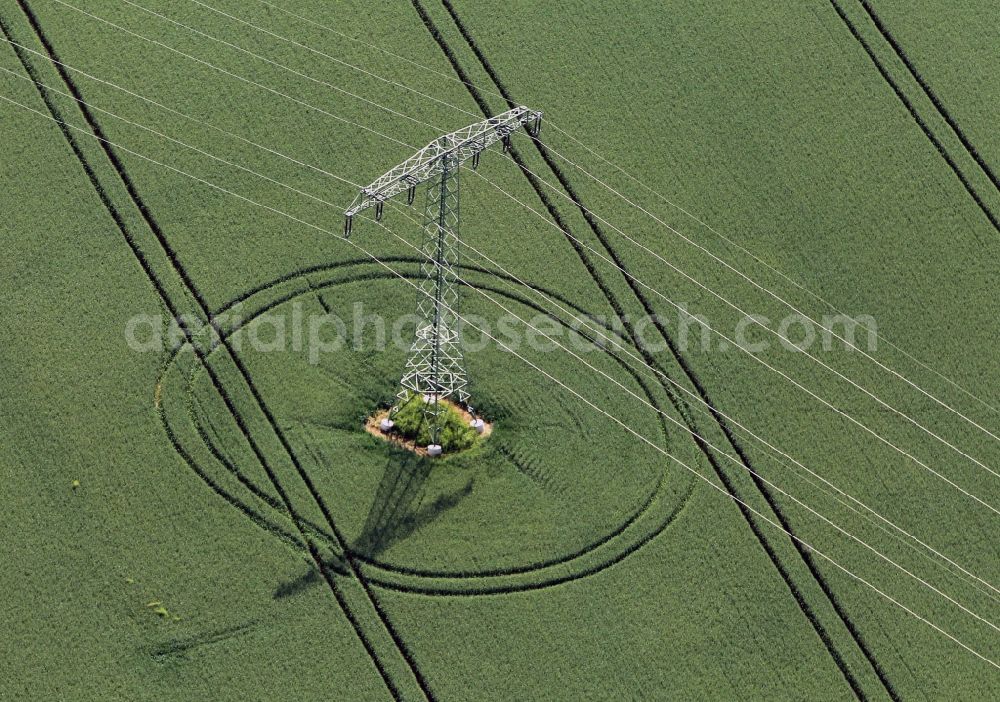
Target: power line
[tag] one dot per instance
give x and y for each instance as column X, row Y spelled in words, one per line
column 625, row 272
column 178, row 113
column 534, row 366
column 740, row 347
column 749, row 253
column 699, row 437
column 170, row 138
column 281, row 65
column 647, row 188
column 775, row 296
column 708, row 412
column 467, row 245
column 230, row 73
column 755, row 320
column 672, row 266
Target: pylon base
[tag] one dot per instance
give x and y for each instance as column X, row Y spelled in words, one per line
column 374, row 426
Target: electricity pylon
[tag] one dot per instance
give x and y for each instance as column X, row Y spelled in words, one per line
column 435, row 368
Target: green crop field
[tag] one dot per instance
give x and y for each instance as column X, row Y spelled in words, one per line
column 732, row 318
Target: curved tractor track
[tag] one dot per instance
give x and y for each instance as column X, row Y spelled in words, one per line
column 656, row 511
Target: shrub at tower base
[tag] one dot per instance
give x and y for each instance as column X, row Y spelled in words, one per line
column 411, row 423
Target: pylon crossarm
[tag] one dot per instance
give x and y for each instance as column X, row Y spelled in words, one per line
column 454, row 148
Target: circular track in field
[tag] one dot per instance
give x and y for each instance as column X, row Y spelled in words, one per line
column 553, row 496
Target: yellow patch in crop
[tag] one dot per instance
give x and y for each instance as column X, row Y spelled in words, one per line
column 161, row 611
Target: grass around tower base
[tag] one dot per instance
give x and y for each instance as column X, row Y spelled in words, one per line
column 412, row 427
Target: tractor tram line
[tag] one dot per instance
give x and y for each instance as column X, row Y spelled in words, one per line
column 419, row 682
column 678, row 402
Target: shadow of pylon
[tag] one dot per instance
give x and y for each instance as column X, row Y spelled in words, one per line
column 396, row 510
column 333, row 564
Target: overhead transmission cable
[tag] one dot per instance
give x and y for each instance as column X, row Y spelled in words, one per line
column 572, row 353
column 706, row 442
column 971, row 458
column 711, row 412
column 734, row 344
column 492, row 262
column 532, row 365
column 282, row 66
column 777, row 334
column 231, row 74
column 552, row 125
column 660, row 258
column 816, row 296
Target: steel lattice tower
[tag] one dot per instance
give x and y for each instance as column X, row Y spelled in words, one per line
column 435, row 368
